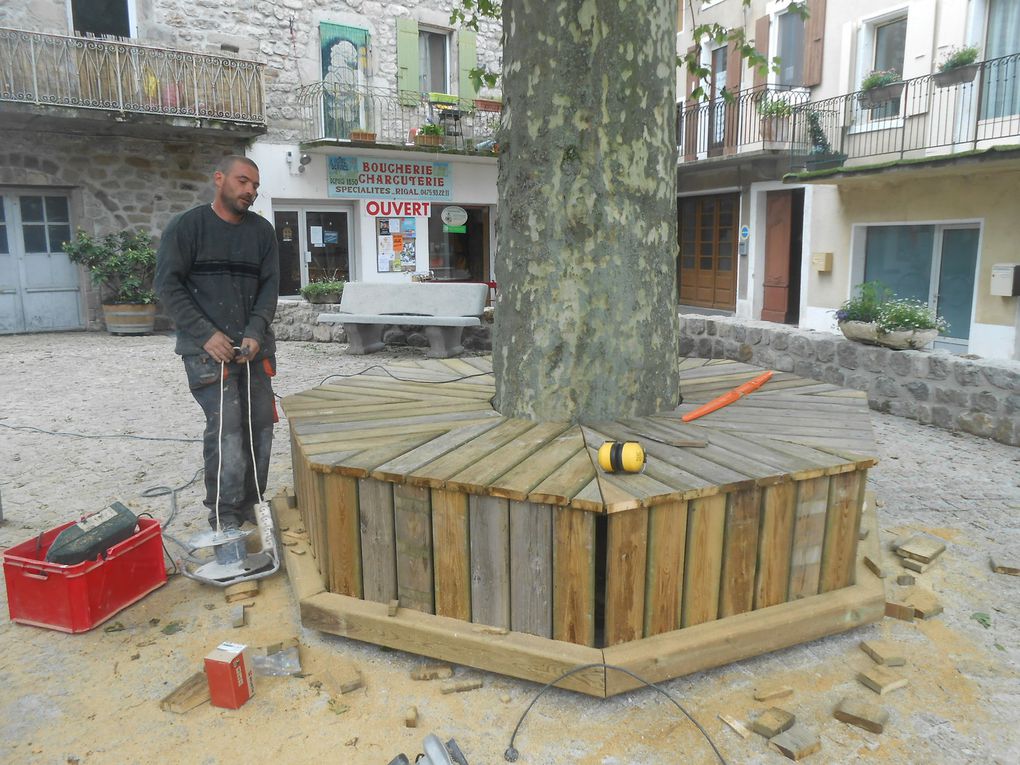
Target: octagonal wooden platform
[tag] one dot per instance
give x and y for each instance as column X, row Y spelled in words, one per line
column 508, row 550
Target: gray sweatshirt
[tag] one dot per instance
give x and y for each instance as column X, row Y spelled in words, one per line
column 213, row 275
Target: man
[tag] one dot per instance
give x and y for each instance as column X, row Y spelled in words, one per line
column 217, row 274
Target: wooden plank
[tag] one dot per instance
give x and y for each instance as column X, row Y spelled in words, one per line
column 839, row 551
column 489, row 520
column 589, row 498
column 740, row 552
column 304, row 576
column 808, row 536
column 188, row 695
column 513, row 654
column 370, row 431
column 435, row 473
column 560, row 487
column 397, row 469
column 479, row 476
column 703, row 559
column 772, row 583
column 451, row 554
column 531, row 568
column 713, row 644
column 364, row 461
column 518, row 482
column 406, row 422
column 574, row 576
column 667, row 541
column 413, row 525
column 343, row 535
column 378, row 540
column 626, row 558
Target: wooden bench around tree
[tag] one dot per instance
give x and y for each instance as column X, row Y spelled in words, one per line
column 366, row 309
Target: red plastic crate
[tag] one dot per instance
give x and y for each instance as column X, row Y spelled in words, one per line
column 77, row 598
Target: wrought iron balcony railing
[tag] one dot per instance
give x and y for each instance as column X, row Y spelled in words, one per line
column 756, row 119
column 966, row 109
column 56, row 70
column 340, row 112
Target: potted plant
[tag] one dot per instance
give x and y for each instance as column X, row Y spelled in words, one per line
column 876, row 317
column 323, row 291
column 880, row 87
column 122, row 266
column 366, row 136
column 775, row 116
column 821, row 156
column 957, row 67
column 430, row 134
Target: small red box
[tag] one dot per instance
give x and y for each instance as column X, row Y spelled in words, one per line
column 231, row 677
column 77, row 598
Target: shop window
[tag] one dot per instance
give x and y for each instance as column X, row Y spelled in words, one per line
column 101, row 18
column 459, row 251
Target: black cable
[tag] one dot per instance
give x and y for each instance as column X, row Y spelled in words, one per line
column 166, row 552
column 109, row 435
column 162, row 491
column 511, row 754
column 404, row 379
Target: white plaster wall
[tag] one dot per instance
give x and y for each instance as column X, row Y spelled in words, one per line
column 474, row 183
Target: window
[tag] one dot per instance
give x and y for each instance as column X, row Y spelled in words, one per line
column 889, row 46
column 459, row 253
column 791, row 49
column 101, row 17
column 432, row 62
column 1001, row 86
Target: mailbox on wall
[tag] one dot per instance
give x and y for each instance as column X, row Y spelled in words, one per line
column 1006, row 279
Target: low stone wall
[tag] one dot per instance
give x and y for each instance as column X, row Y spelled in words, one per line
column 298, row 320
column 979, row 396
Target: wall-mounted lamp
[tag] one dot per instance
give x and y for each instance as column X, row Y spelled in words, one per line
column 302, row 161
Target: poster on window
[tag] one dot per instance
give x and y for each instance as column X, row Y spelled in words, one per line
column 395, row 244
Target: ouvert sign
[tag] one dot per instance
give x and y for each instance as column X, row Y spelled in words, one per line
column 370, row 177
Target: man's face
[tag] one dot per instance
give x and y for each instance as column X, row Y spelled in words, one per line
column 238, row 188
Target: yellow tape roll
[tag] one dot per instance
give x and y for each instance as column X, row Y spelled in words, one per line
column 621, row 457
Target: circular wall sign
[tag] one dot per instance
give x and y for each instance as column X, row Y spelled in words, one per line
column 454, row 216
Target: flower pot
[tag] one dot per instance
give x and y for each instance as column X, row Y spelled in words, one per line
column 883, row 94
column 775, row 129
column 901, row 339
column 366, row 136
column 428, row 140
column 328, row 297
column 860, row 331
column 488, row 105
column 957, row 76
column 129, row 319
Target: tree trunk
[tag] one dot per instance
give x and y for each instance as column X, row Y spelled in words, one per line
column 586, row 317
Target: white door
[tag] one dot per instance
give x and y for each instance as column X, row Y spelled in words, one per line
column 39, row 286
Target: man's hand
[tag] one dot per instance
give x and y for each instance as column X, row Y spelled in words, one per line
column 219, row 347
column 249, row 349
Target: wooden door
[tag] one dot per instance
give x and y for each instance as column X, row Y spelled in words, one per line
column 708, row 248
column 778, row 216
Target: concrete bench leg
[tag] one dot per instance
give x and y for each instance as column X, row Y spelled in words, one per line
column 364, row 338
column 444, row 342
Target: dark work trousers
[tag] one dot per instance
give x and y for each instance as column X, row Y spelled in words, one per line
column 236, row 479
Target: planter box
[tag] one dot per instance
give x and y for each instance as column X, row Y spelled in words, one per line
column 488, row 105
column 365, row 136
column 428, row 140
column 877, row 97
column 775, row 129
column 899, row 340
column 957, row 76
column 127, row 319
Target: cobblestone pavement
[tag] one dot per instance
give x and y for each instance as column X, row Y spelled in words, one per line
column 92, row 698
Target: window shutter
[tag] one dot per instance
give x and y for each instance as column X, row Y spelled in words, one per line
column 407, row 60
column 814, row 36
column 690, row 109
column 761, row 44
column 734, row 64
column 467, row 59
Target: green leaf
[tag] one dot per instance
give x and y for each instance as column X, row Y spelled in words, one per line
column 982, row 618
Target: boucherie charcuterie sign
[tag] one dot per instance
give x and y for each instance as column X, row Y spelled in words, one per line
column 362, row 177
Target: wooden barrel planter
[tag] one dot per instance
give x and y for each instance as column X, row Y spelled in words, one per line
column 504, row 547
column 129, row 318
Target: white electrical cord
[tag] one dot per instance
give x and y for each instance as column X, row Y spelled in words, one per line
column 251, row 440
column 219, row 440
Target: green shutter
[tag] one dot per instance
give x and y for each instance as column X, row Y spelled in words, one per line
column 467, row 59
column 407, row 60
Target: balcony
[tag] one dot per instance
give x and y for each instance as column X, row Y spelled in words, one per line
column 336, row 114
column 755, row 121
column 126, row 89
column 970, row 110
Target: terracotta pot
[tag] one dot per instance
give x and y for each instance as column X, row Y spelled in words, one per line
column 428, row 140
column 775, row 129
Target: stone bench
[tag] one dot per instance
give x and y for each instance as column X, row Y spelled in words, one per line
column 366, row 309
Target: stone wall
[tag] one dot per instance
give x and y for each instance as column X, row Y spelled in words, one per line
column 114, row 182
column 298, row 320
column 978, row 396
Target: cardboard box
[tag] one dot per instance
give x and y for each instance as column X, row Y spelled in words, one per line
column 231, row 675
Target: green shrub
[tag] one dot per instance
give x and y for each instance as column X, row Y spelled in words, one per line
column 121, row 264
column 880, row 78
column 774, row 107
column 876, row 304
column 323, row 287
column 957, row 57
column 866, row 304
column 430, row 128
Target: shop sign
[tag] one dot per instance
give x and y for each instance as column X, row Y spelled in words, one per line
column 365, row 177
column 454, row 216
column 384, row 208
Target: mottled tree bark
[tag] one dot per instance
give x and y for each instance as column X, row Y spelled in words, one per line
column 586, row 316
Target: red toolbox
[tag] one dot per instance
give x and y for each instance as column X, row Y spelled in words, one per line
column 77, row 598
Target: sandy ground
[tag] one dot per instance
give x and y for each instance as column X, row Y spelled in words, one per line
column 93, row 697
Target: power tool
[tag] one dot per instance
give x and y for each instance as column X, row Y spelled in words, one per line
column 436, row 753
